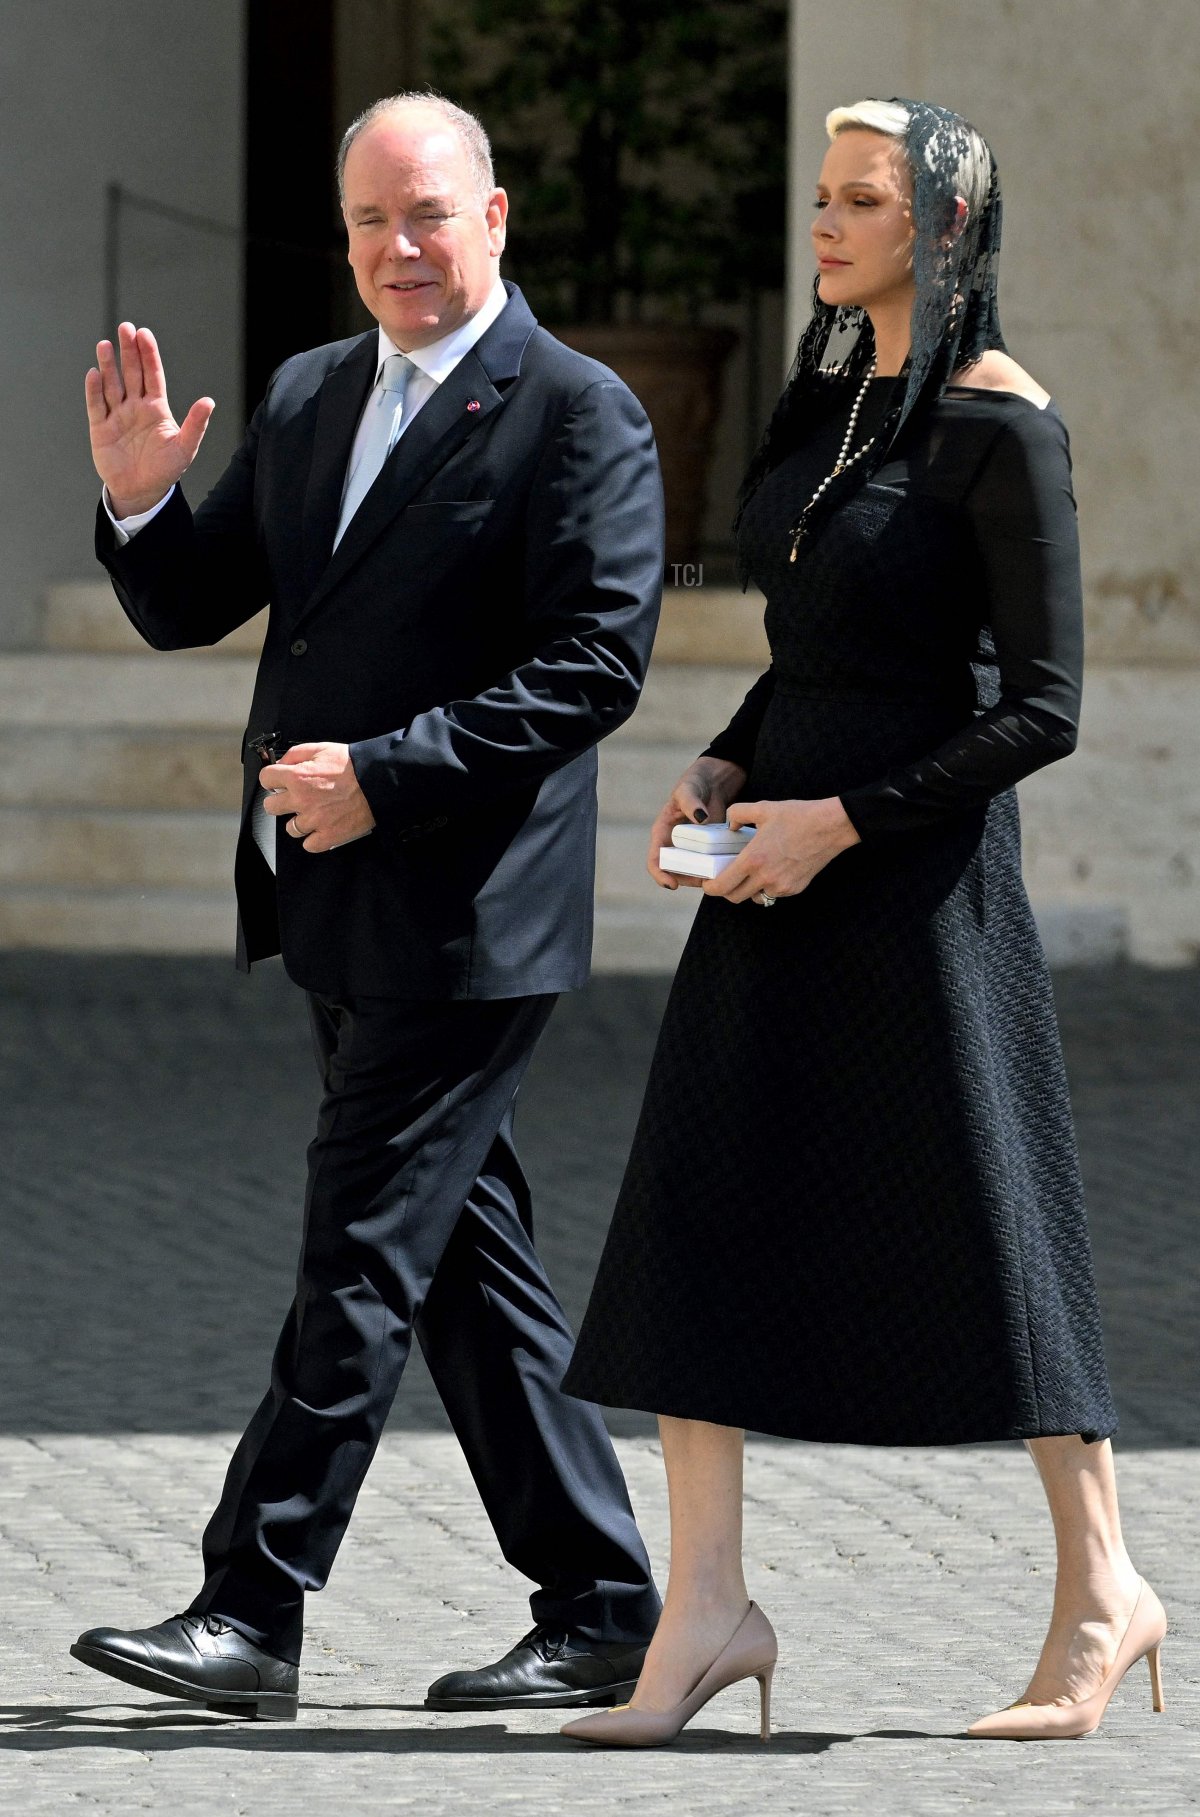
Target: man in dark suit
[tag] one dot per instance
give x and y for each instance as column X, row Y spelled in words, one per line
column 457, row 522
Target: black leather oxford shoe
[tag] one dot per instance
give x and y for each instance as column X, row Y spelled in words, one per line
column 549, row 1669
column 198, row 1657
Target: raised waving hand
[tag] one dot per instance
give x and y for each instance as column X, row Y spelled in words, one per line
column 138, row 448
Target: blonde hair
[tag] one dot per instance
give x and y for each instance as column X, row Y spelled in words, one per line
column 973, row 175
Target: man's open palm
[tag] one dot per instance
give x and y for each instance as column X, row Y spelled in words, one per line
column 138, row 447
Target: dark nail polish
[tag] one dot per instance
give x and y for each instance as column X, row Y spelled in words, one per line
column 701, row 814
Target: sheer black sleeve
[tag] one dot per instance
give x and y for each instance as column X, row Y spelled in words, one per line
column 1022, row 510
column 736, row 743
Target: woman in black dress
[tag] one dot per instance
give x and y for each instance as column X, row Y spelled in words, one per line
column 852, row 1211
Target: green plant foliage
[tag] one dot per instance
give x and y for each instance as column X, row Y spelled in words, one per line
column 643, row 146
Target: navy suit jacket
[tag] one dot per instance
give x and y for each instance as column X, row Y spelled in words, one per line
column 486, row 619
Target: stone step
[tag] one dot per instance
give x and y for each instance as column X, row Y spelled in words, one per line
column 112, row 850
column 628, row 938
column 716, row 625
column 1082, row 932
column 1133, row 718
column 122, row 768
column 118, row 921
column 682, row 704
column 190, row 921
column 1077, row 926
column 636, row 778
column 649, row 939
column 73, row 692
column 1113, row 832
column 148, row 767
column 86, row 616
column 679, row 703
column 621, row 874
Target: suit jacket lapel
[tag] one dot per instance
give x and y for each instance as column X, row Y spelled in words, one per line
column 440, row 426
column 339, row 407
column 439, row 429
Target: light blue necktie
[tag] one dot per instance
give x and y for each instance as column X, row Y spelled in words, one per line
column 384, row 420
column 385, row 417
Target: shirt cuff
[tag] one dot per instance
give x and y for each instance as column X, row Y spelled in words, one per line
column 126, row 527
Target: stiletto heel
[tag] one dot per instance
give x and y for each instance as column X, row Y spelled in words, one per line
column 1155, row 1665
column 764, row 1692
column 1042, row 1721
column 750, row 1652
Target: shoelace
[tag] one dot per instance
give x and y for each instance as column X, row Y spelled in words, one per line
column 549, row 1640
column 211, row 1623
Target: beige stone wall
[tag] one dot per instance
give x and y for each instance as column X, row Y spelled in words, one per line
column 149, row 96
column 1091, row 109
column 1090, row 105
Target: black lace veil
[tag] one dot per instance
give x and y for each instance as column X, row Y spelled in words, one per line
column 955, row 319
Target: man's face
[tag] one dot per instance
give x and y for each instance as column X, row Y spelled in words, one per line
column 424, row 248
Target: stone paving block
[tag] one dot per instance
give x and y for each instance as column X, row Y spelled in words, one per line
column 886, row 1653
column 154, row 1115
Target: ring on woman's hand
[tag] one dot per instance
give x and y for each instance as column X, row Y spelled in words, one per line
column 294, row 830
column 766, row 900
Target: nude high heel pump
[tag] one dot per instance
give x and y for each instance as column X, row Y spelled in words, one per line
column 1044, row 1721
column 750, row 1652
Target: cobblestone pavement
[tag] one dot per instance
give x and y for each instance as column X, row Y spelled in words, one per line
column 154, row 1118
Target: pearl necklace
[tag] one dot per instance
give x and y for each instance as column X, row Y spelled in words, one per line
column 842, row 462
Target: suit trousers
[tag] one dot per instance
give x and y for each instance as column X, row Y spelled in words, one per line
column 417, row 1218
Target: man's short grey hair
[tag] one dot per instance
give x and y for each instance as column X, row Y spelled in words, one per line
column 475, row 141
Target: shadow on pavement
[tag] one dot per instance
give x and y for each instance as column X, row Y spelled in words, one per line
column 33, row 1729
column 155, row 1113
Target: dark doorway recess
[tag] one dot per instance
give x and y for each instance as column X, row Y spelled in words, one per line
column 292, row 222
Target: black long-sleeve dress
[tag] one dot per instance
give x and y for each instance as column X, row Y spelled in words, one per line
column 853, row 1210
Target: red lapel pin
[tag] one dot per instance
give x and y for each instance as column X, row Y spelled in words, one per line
column 474, row 404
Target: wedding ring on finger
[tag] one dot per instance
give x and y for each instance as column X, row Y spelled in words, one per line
column 767, row 900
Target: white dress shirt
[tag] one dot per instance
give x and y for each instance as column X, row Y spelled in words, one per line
column 434, row 363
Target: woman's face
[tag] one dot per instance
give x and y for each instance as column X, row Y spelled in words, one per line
column 863, row 229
